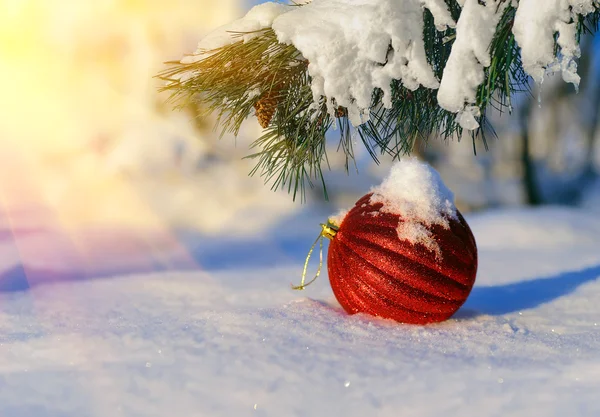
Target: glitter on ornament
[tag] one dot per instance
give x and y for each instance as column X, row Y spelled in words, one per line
column 403, row 252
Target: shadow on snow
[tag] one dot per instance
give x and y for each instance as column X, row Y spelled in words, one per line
column 518, row 296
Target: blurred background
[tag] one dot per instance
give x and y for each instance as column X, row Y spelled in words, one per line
column 99, row 176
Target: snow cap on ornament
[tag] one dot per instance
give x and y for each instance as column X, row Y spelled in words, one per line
column 403, row 252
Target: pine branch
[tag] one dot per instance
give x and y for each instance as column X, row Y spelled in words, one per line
column 261, row 76
column 273, row 79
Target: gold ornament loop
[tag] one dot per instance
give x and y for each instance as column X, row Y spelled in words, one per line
column 328, row 231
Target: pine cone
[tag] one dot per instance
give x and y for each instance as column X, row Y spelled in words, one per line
column 265, row 108
column 341, row 112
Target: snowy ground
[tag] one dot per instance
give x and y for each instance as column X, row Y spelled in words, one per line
column 227, row 337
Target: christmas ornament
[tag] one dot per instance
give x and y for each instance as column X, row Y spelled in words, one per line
column 400, row 253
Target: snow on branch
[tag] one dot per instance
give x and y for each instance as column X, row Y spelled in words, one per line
column 410, row 68
column 536, row 22
column 355, row 47
column 464, row 71
column 246, row 28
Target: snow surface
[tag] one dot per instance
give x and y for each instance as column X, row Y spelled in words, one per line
column 234, row 340
column 415, row 191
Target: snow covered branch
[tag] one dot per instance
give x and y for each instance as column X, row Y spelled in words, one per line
column 464, row 71
column 355, row 48
column 393, row 69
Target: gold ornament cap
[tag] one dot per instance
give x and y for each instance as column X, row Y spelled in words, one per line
column 328, row 230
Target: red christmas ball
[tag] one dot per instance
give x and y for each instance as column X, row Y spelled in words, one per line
column 373, row 270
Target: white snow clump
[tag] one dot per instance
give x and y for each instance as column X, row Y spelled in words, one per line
column 415, row 191
column 354, row 47
column 536, row 22
column 464, row 71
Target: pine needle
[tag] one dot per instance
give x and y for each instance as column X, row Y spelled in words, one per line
column 258, row 75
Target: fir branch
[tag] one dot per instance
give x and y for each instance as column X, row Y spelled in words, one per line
column 415, row 114
column 231, row 80
column 261, row 75
column 235, row 79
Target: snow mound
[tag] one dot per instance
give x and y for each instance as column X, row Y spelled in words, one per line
column 240, row 342
column 415, row 191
